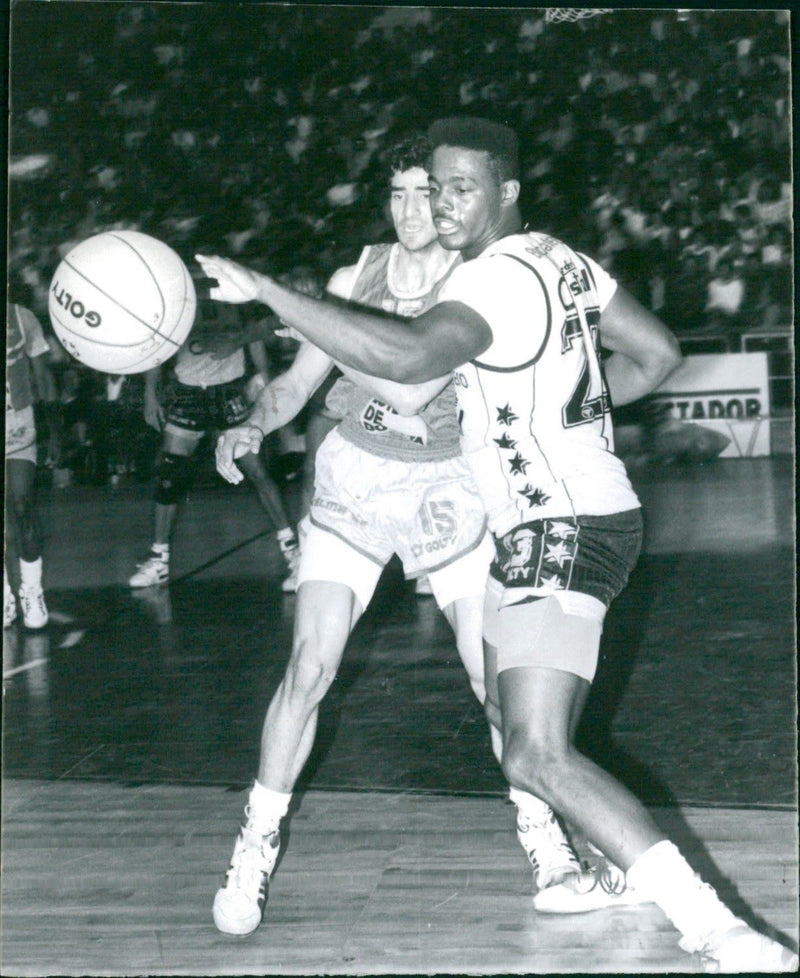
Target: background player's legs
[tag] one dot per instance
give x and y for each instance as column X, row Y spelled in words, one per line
column 173, row 477
column 271, row 502
column 23, row 549
column 23, row 538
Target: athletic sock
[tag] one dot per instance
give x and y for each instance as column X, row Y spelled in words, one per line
column 266, row 808
column 31, row 572
column 161, row 550
column 661, row 874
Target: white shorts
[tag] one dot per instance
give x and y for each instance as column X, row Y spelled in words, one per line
column 21, row 434
column 367, row 508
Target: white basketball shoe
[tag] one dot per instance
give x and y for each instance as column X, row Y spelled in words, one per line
column 34, row 609
column 563, row 884
column 154, row 570
column 740, row 949
column 239, row 904
column 9, row 608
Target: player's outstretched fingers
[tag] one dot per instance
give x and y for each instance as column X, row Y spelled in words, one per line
column 224, row 455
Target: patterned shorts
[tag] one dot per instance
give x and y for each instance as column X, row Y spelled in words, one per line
column 590, row 555
column 200, row 409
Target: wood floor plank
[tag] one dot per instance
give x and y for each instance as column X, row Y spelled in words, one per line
column 99, row 878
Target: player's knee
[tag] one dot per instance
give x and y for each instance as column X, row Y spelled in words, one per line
column 308, row 678
column 173, row 478
column 531, row 762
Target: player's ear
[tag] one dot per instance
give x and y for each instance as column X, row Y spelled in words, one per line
column 510, row 193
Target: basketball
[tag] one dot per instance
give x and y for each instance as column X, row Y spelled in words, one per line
column 122, row 302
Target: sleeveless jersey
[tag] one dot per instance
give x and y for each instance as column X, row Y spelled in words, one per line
column 24, row 338
column 367, row 421
column 534, row 407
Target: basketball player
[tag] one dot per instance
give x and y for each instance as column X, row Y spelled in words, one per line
column 519, row 324
column 206, row 394
column 385, row 483
column 22, row 565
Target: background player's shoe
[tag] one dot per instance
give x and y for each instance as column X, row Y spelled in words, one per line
column 9, row 609
column 291, row 554
column 34, row 609
column 155, row 570
column 239, row 904
column 740, row 949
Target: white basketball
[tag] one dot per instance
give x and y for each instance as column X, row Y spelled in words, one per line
column 122, row 302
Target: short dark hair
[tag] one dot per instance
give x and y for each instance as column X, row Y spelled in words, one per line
column 472, row 132
column 410, row 152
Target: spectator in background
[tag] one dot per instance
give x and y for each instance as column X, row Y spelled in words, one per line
column 725, row 297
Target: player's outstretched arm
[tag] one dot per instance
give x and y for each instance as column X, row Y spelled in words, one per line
column 645, row 351
column 444, row 337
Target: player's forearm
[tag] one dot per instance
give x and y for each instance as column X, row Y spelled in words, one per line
column 629, row 380
column 278, row 403
column 375, row 344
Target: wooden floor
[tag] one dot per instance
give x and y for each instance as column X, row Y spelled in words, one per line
column 110, row 880
column 130, row 731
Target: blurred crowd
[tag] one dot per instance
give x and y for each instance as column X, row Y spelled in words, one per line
column 656, row 140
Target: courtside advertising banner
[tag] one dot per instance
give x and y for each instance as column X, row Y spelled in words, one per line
column 728, row 392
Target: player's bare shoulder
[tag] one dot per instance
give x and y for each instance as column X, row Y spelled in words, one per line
column 342, row 281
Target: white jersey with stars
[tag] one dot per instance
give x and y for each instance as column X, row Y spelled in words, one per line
column 534, row 407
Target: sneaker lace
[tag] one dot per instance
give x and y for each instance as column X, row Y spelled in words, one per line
column 549, row 846
column 610, row 877
column 249, row 869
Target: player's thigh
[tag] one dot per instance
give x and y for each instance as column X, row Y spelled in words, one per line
column 326, row 557
column 546, row 659
column 325, row 614
column 180, row 441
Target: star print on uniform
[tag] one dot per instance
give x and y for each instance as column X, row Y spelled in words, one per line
column 506, row 416
column 550, row 584
column 559, row 553
column 535, row 497
column 562, row 531
column 518, row 464
column 505, row 441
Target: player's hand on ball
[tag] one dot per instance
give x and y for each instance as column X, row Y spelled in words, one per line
column 235, row 283
column 232, row 444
